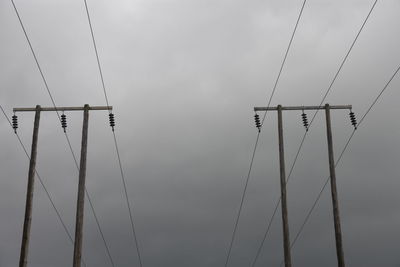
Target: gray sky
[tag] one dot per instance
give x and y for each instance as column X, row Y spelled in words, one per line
column 183, row 77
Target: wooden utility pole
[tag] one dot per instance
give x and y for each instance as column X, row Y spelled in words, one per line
column 23, row 259
column 338, row 234
column 82, row 177
column 335, row 204
column 285, row 223
column 81, row 191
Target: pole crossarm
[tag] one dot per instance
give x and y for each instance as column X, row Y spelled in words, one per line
column 302, row 107
column 63, row 108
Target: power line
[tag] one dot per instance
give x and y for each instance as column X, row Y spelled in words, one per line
column 275, row 211
column 344, row 60
column 96, row 52
column 311, row 122
column 66, row 135
column 242, row 200
column 285, row 57
column 43, row 185
column 91, row 206
column 127, row 201
column 34, row 54
column 115, row 138
column 258, row 136
column 341, row 155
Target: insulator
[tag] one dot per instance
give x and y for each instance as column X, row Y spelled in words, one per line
column 64, row 122
column 112, row 120
column 257, row 120
column 353, row 119
column 15, row 123
column 305, row 120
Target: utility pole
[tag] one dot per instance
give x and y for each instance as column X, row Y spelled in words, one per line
column 82, row 177
column 23, row 259
column 336, row 217
column 286, row 239
column 81, row 191
column 335, row 204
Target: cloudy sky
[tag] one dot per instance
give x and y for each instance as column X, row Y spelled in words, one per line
column 183, row 77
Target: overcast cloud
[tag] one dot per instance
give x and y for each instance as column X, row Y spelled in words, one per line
column 183, row 77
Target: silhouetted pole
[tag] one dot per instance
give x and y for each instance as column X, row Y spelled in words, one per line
column 81, row 191
column 23, row 259
column 285, row 223
column 336, row 217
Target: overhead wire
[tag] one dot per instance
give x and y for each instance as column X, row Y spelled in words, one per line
column 129, row 205
column 43, row 185
column 96, row 52
column 258, row 136
column 284, row 58
column 66, row 135
column 259, row 250
column 340, row 157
